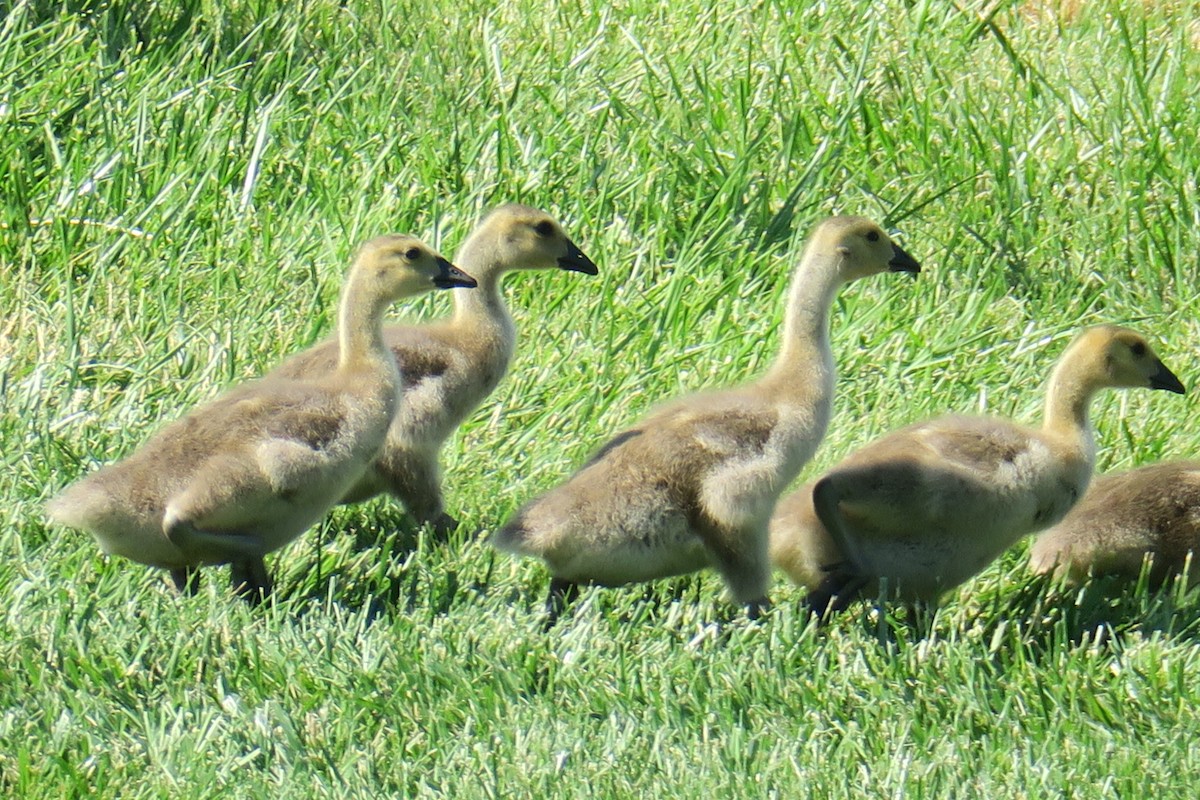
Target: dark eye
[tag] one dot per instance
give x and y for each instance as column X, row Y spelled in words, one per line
column 872, row 236
column 1138, row 349
column 412, row 253
column 544, row 228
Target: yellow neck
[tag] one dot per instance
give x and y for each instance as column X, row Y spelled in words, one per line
column 360, row 323
column 478, row 258
column 805, row 355
column 1068, row 397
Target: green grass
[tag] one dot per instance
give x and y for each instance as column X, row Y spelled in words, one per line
column 181, row 186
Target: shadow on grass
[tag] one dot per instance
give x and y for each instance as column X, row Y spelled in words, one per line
column 383, row 567
column 692, row 608
column 136, row 28
column 1040, row 616
column 1047, row 610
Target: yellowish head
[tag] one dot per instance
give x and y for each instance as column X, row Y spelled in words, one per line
column 526, row 238
column 398, row 266
column 860, row 248
column 1126, row 360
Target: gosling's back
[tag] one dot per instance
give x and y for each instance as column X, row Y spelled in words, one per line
column 1152, row 512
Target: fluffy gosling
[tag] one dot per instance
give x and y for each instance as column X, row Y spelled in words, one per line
column 930, row 505
column 449, row 367
column 1152, row 513
column 693, row 484
column 246, row 473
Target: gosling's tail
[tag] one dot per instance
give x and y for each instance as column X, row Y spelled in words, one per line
column 81, row 506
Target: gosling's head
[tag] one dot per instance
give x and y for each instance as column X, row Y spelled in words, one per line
column 860, row 247
column 1125, row 359
column 398, row 266
column 521, row 237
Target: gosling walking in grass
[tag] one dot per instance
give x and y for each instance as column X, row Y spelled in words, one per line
column 693, row 484
column 448, row 368
column 930, row 505
column 248, row 472
column 1151, row 514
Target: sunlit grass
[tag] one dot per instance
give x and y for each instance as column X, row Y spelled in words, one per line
column 181, row 186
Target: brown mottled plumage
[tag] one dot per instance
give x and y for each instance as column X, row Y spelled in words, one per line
column 449, row 367
column 930, row 505
column 246, row 473
column 1124, row 519
column 693, row 484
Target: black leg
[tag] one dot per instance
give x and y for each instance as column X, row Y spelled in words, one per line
column 443, row 525
column 920, row 615
column 186, row 580
column 835, row 593
column 249, row 580
column 416, row 481
column 562, row 593
column 756, row 608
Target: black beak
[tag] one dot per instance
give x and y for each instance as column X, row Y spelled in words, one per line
column 451, row 276
column 1165, row 379
column 576, row 261
column 902, row 261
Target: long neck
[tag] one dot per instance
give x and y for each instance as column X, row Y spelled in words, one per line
column 1068, row 397
column 360, row 324
column 805, row 357
column 482, row 305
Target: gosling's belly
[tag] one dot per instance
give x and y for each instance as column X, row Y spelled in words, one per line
column 632, row 561
column 146, row 546
column 925, row 566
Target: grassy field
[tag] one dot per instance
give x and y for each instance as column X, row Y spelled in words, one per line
column 182, row 185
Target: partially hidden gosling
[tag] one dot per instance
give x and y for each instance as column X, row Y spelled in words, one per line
column 1147, row 514
column 693, row 484
column 248, row 472
column 929, row 506
column 449, row 367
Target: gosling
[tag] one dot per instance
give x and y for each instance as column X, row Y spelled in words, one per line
column 246, row 473
column 694, row 483
column 929, row 506
column 1152, row 513
column 449, row 367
